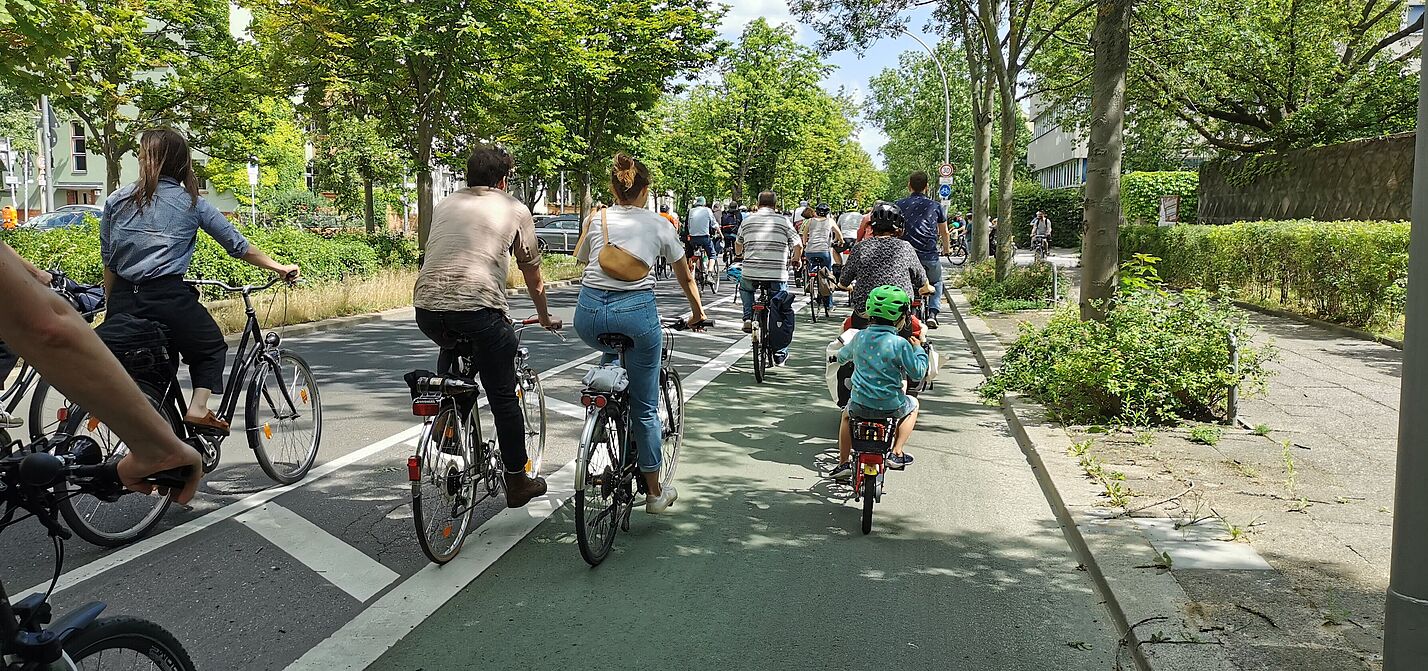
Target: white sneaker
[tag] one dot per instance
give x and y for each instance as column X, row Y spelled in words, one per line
column 748, row 326
column 656, row 505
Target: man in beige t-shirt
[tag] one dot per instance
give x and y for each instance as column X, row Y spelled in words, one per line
column 460, row 297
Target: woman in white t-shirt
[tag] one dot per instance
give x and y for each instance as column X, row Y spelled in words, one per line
column 610, row 305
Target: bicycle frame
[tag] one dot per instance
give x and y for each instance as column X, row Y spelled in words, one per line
column 12, row 396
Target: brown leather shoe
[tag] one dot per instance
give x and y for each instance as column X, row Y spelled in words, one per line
column 210, row 424
column 521, row 489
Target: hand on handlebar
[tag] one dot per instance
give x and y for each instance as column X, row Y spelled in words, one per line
column 289, row 273
column 134, row 468
column 926, row 289
column 550, row 323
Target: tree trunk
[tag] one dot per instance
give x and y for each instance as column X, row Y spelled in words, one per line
column 1100, row 247
column 1006, row 176
column 369, row 207
column 113, row 164
column 425, row 198
column 982, row 99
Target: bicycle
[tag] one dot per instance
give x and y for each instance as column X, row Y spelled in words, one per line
column 30, row 479
column 662, row 270
column 957, row 252
column 1039, row 248
column 453, row 464
column 762, row 345
column 282, row 417
column 872, row 442
column 47, row 412
column 703, row 276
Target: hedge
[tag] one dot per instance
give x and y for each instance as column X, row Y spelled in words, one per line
column 322, row 258
column 1063, row 206
column 1141, row 192
column 1351, row 272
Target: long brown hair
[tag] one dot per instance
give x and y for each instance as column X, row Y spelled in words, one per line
column 163, row 152
column 629, row 179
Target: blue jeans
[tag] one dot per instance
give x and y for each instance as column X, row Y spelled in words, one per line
column 632, row 313
column 817, row 260
column 702, row 242
column 746, row 296
column 934, row 277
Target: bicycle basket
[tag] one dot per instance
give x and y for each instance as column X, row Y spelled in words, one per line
column 142, row 347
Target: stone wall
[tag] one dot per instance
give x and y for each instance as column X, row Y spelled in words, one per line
column 1365, row 179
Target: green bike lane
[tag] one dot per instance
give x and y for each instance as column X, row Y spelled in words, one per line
column 761, row 564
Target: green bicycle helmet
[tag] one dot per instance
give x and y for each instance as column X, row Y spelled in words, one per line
column 888, row 302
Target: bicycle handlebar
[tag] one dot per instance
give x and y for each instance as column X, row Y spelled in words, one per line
column 246, row 288
column 683, row 324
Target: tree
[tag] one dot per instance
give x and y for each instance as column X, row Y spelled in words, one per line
column 280, row 151
column 1100, row 246
column 351, row 159
column 1269, row 75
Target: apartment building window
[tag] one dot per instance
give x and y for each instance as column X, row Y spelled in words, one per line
column 79, row 155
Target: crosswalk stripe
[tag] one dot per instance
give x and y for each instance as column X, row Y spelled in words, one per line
column 346, row 567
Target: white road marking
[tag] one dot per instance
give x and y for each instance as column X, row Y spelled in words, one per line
column 341, row 564
column 704, row 336
column 376, row 629
column 564, row 408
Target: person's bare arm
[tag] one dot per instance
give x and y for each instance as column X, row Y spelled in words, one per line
column 54, row 339
column 40, row 275
column 256, row 257
column 535, row 286
column 691, row 292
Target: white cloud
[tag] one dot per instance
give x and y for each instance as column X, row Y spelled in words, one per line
column 743, row 12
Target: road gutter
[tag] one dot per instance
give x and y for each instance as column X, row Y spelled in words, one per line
column 1113, row 552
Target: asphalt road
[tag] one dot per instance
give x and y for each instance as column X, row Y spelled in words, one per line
column 759, row 565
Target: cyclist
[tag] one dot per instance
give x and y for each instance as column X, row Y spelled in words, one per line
column 729, row 225
column 621, row 299
column 60, row 345
column 882, row 359
column 884, row 258
column 460, row 297
column 766, row 242
column 818, row 236
column 671, row 217
column 700, row 227
column 1041, row 230
column 147, row 234
column 926, row 227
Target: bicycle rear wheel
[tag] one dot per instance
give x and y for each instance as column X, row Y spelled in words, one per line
column 597, row 507
column 758, row 346
column 813, row 301
column 716, row 275
column 112, row 521
column 284, row 418
column 49, row 410
column 671, row 421
column 116, row 643
column 532, row 397
column 870, row 494
column 443, row 494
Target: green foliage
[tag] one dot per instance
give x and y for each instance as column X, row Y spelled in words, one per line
column 281, row 157
column 1352, row 272
column 293, row 207
column 1024, row 288
column 1205, row 435
column 323, row 259
column 1141, row 192
column 1063, row 206
column 1156, row 359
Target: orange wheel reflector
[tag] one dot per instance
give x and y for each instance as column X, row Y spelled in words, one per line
column 267, row 430
column 450, row 431
column 93, row 423
column 62, row 414
column 446, row 531
column 530, row 466
column 303, row 393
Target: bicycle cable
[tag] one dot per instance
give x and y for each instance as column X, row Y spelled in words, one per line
column 54, row 581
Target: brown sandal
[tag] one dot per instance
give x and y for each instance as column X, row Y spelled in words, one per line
column 210, row 424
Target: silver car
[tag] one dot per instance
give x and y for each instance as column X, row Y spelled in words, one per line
column 559, row 233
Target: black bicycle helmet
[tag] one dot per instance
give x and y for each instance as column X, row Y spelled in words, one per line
column 663, row 208
column 886, row 217
column 822, row 210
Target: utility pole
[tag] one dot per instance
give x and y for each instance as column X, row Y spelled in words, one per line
column 1405, row 628
column 946, row 97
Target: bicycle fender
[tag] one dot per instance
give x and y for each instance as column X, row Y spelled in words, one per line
column 77, row 620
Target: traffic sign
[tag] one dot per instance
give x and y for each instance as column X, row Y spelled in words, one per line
column 945, row 191
column 945, row 170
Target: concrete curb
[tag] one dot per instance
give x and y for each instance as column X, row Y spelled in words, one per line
column 1112, row 550
column 1330, row 326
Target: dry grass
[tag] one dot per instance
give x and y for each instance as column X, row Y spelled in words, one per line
column 386, row 290
column 553, row 268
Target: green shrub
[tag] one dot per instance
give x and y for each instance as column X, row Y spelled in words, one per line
column 1351, row 272
column 1205, row 435
column 1141, row 192
column 1025, row 287
column 1157, row 358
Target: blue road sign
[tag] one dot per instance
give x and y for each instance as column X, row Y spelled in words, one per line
column 945, row 191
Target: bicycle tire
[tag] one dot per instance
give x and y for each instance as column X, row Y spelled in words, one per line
column 134, row 515
column 44, row 421
column 716, row 274
column 870, row 494
column 758, row 348
column 437, row 464
column 145, row 639
column 812, row 294
column 596, row 503
column 261, row 434
column 532, row 397
column 671, row 423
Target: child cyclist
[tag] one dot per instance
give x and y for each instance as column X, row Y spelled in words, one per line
column 882, row 360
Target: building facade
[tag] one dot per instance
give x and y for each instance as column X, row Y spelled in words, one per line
column 1057, row 158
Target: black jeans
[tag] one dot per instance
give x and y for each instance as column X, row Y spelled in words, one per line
column 488, row 338
column 8, row 359
column 192, row 331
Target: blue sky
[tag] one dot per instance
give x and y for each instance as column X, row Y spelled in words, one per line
column 852, row 72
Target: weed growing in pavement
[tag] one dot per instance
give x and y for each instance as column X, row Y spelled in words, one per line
column 1289, row 477
column 1301, row 506
column 1205, row 435
column 1164, row 561
column 1337, row 616
column 1236, row 532
column 1117, row 491
column 1242, row 468
column 1145, row 437
column 1079, row 448
column 1261, row 429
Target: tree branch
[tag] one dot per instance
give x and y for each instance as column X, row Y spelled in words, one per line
column 1036, row 47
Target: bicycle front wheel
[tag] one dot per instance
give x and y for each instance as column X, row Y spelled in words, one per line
column 597, row 507
column 532, row 397
column 671, row 421
column 126, row 643
column 284, row 418
column 445, row 489
column 111, row 521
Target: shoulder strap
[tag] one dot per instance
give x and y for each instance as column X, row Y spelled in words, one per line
column 604, row 225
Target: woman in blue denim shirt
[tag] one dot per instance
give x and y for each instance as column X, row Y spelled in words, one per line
column 610, row 305
column 147, row 235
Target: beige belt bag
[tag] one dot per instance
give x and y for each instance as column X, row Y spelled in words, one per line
column 616, row 262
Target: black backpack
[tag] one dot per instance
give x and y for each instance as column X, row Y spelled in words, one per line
column 142, row 347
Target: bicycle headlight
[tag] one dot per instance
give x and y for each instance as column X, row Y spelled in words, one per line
column 272, row 339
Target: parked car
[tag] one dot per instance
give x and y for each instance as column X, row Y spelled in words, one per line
column 68, row 216
column 558, row 234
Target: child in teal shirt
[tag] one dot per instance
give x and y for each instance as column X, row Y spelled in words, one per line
column 882, row 360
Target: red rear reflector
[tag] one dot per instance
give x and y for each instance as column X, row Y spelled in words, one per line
column 586, row 400
column 422, row 408
column 759, row 308
column 413, row 469
column 601, row 402
column 62, row 414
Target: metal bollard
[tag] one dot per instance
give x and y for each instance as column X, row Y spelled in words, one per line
column 1232, row 398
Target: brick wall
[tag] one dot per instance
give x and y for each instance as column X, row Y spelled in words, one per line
column 1368, row 179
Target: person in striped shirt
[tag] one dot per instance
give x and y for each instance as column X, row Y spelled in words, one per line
column 766, row 241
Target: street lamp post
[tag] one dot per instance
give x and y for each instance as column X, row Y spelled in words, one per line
column 946, row 96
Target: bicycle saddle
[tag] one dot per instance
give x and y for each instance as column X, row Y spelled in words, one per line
column 616, row 341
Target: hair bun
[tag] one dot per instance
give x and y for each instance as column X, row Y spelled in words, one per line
column 625, row 169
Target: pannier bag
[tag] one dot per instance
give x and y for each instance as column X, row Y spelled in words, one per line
column 142, row 347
